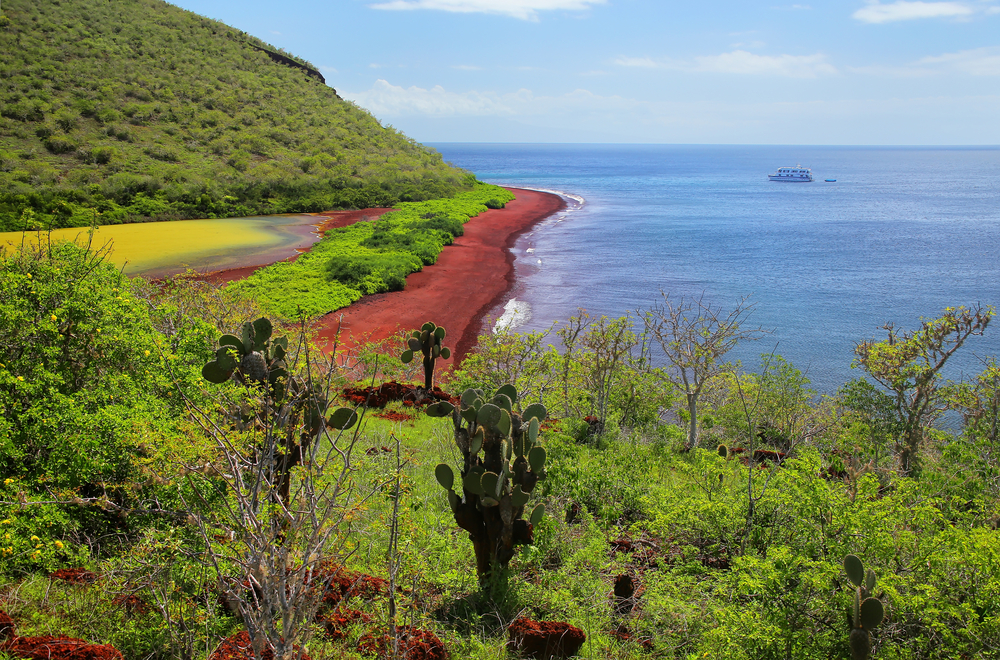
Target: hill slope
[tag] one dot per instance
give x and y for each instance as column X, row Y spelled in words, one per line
column 115, row 111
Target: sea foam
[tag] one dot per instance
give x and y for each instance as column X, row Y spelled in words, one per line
column 515, row 313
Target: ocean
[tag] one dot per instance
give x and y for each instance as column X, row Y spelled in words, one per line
column 903, row 233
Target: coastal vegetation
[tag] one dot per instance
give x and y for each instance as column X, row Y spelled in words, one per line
column 368, row 257
column 113, row 113
column 183, row 471
column 128, row 409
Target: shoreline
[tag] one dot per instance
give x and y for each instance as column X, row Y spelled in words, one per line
column 471, row 278
column 325, row 221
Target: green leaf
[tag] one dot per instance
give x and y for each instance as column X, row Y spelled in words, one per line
column 445, row 352
column 519, row 497
column 406, row 357
column 536, row 514
column 414, row 344
column 343, row 419
column 439, row 333
column 533, row 427
column 453, row 501
column 445, row 476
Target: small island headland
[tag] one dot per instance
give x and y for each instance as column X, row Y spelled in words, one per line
column 471, row 277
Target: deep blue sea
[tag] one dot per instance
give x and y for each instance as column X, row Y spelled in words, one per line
column 903, row 233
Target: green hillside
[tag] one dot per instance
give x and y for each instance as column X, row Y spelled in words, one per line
column 114, row 111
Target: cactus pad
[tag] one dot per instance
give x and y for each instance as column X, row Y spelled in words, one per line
column 855, row 570
column 445, row 476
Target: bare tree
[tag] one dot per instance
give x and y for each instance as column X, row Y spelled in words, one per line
column 694, row 337
column 275, row 506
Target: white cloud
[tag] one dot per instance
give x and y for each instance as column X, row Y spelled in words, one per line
column 743, row 63
column 392, row 101
column 385, row 99
column 467, row 67
column 975, row 62
column 903, row 10
column 523, row 9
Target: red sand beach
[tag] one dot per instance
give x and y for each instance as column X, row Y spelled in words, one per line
column 471, row 277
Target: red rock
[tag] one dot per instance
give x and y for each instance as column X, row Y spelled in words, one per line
column 58, row 648
column 6, row 626
column 414, row 644
column 74, row 575
column 238, row 647
column 545, row 639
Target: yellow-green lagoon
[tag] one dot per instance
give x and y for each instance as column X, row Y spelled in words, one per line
column 160, row 249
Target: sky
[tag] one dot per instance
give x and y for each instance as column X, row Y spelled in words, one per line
column 850, row 72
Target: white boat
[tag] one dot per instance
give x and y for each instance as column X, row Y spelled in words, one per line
column 795, row 174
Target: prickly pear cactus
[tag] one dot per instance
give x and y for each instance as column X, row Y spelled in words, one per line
column 251, row 358
column 427, row 340
column 502, row 462
column 867, row 612
column 291, row 405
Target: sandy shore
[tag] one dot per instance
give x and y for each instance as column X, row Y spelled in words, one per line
column 471, row 277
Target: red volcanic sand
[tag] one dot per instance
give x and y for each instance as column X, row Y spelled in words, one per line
column 471, row 277
column 324, row 222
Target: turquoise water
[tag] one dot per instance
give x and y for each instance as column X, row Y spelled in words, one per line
column 903, row 233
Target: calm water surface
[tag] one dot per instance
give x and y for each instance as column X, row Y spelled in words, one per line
column 903, row 233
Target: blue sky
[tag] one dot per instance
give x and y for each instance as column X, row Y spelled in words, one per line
column 812, row 72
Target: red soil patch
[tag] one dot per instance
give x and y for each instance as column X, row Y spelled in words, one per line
column 545, row 639
column 394, row 416
column 58, row 648
column 378, row 397
column 238, row 647
column 414, row 644
column 471, row 278
column 74, row 575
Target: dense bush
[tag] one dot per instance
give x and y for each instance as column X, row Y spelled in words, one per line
column 86, row 394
